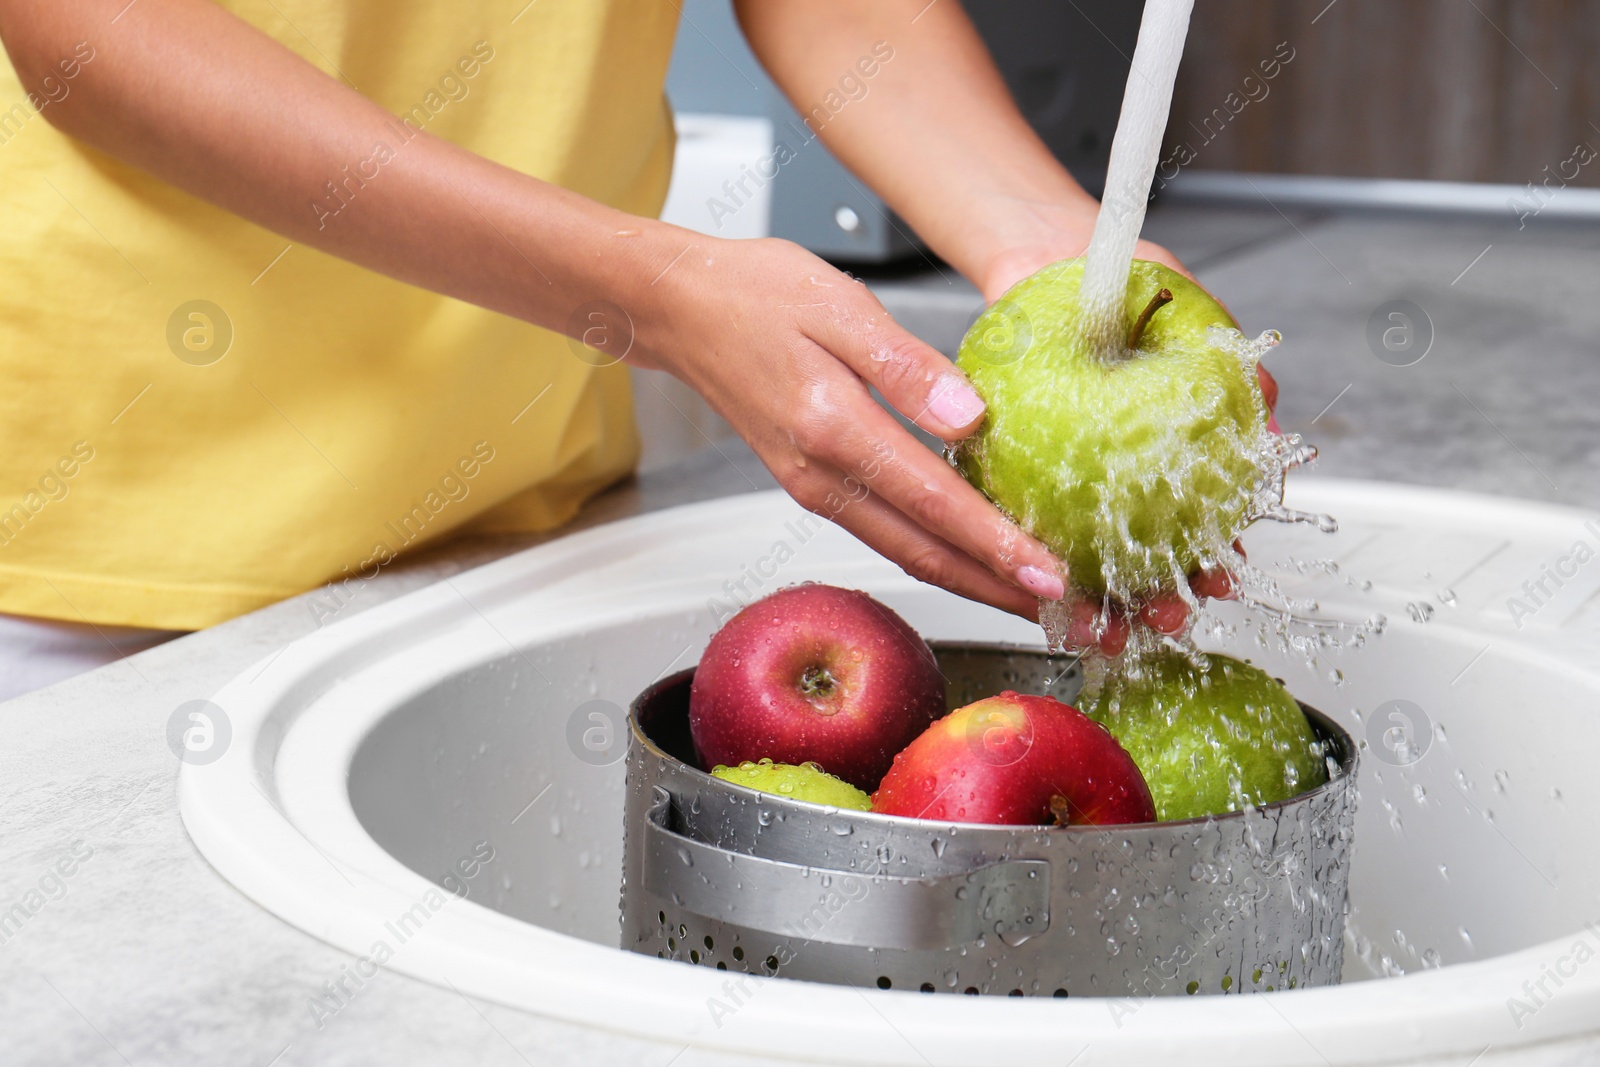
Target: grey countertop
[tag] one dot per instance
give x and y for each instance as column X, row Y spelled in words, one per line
column 143, row 955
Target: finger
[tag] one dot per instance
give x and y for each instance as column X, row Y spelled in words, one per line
column 882, row 528
column 915, row 379
column 1269, row 387
column 885, row 530
column 1115, row 636
column 1214, row 582
column 1218, row 583
column 1085, row 629
column 1153, row 252
column 1088, row 629
column 1165, row 613
column 924, row 488
column 1269, row 391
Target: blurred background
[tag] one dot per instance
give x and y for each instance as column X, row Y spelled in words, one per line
column 1453, row 90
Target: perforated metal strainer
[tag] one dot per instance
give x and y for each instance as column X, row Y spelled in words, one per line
column 724, row 876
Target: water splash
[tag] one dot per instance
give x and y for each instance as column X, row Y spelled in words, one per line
column 1188, row 474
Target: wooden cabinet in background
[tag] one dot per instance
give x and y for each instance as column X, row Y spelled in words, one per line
column 1463, row 90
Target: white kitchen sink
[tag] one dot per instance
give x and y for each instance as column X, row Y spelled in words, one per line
column 445, row 732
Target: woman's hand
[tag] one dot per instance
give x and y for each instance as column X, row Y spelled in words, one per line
column 1025, row 236
column 785, row 346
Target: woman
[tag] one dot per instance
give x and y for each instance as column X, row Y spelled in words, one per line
column 287, row 281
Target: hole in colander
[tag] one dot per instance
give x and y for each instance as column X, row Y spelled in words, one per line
column 883, row 981
column 1059, row 993
column 721, row 966
column 708, row 943
column 694, row 955
column 738, row 952
column 1015, row 993
column 772, row 964
column 971, row 991
column 927, row 987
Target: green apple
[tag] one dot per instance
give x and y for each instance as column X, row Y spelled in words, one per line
column 806, row 781
column 1208, row 740
column 1134, row 467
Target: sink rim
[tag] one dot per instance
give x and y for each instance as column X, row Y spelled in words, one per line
column 233, row 809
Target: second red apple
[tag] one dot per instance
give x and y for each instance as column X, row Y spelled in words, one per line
column 1016, row 759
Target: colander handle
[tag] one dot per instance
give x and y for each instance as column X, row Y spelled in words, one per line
column 841, row 907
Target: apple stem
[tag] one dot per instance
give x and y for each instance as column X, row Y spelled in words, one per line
column 1162, row 298
column 817, row 682
column 1061, row 810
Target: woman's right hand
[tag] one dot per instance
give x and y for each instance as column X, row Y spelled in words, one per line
column 785, row 346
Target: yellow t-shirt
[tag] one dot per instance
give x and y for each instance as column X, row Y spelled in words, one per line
column 199, row 418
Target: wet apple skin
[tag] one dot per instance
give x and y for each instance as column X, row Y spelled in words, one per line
column 1016, row 759
column 1130, row 468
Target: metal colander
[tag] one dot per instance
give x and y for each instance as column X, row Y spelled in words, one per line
column 723, row 876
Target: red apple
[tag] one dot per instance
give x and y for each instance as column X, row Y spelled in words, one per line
column 814, row 673
column 1018, row 760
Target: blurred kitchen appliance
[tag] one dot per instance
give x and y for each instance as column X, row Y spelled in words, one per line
column 1065, row 63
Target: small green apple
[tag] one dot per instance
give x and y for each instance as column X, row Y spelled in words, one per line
column 807, row 782
column 1135, row 468
column 1208, row 740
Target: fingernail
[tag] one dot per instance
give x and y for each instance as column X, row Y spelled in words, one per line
column 1041, row 582
column 954, row 402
